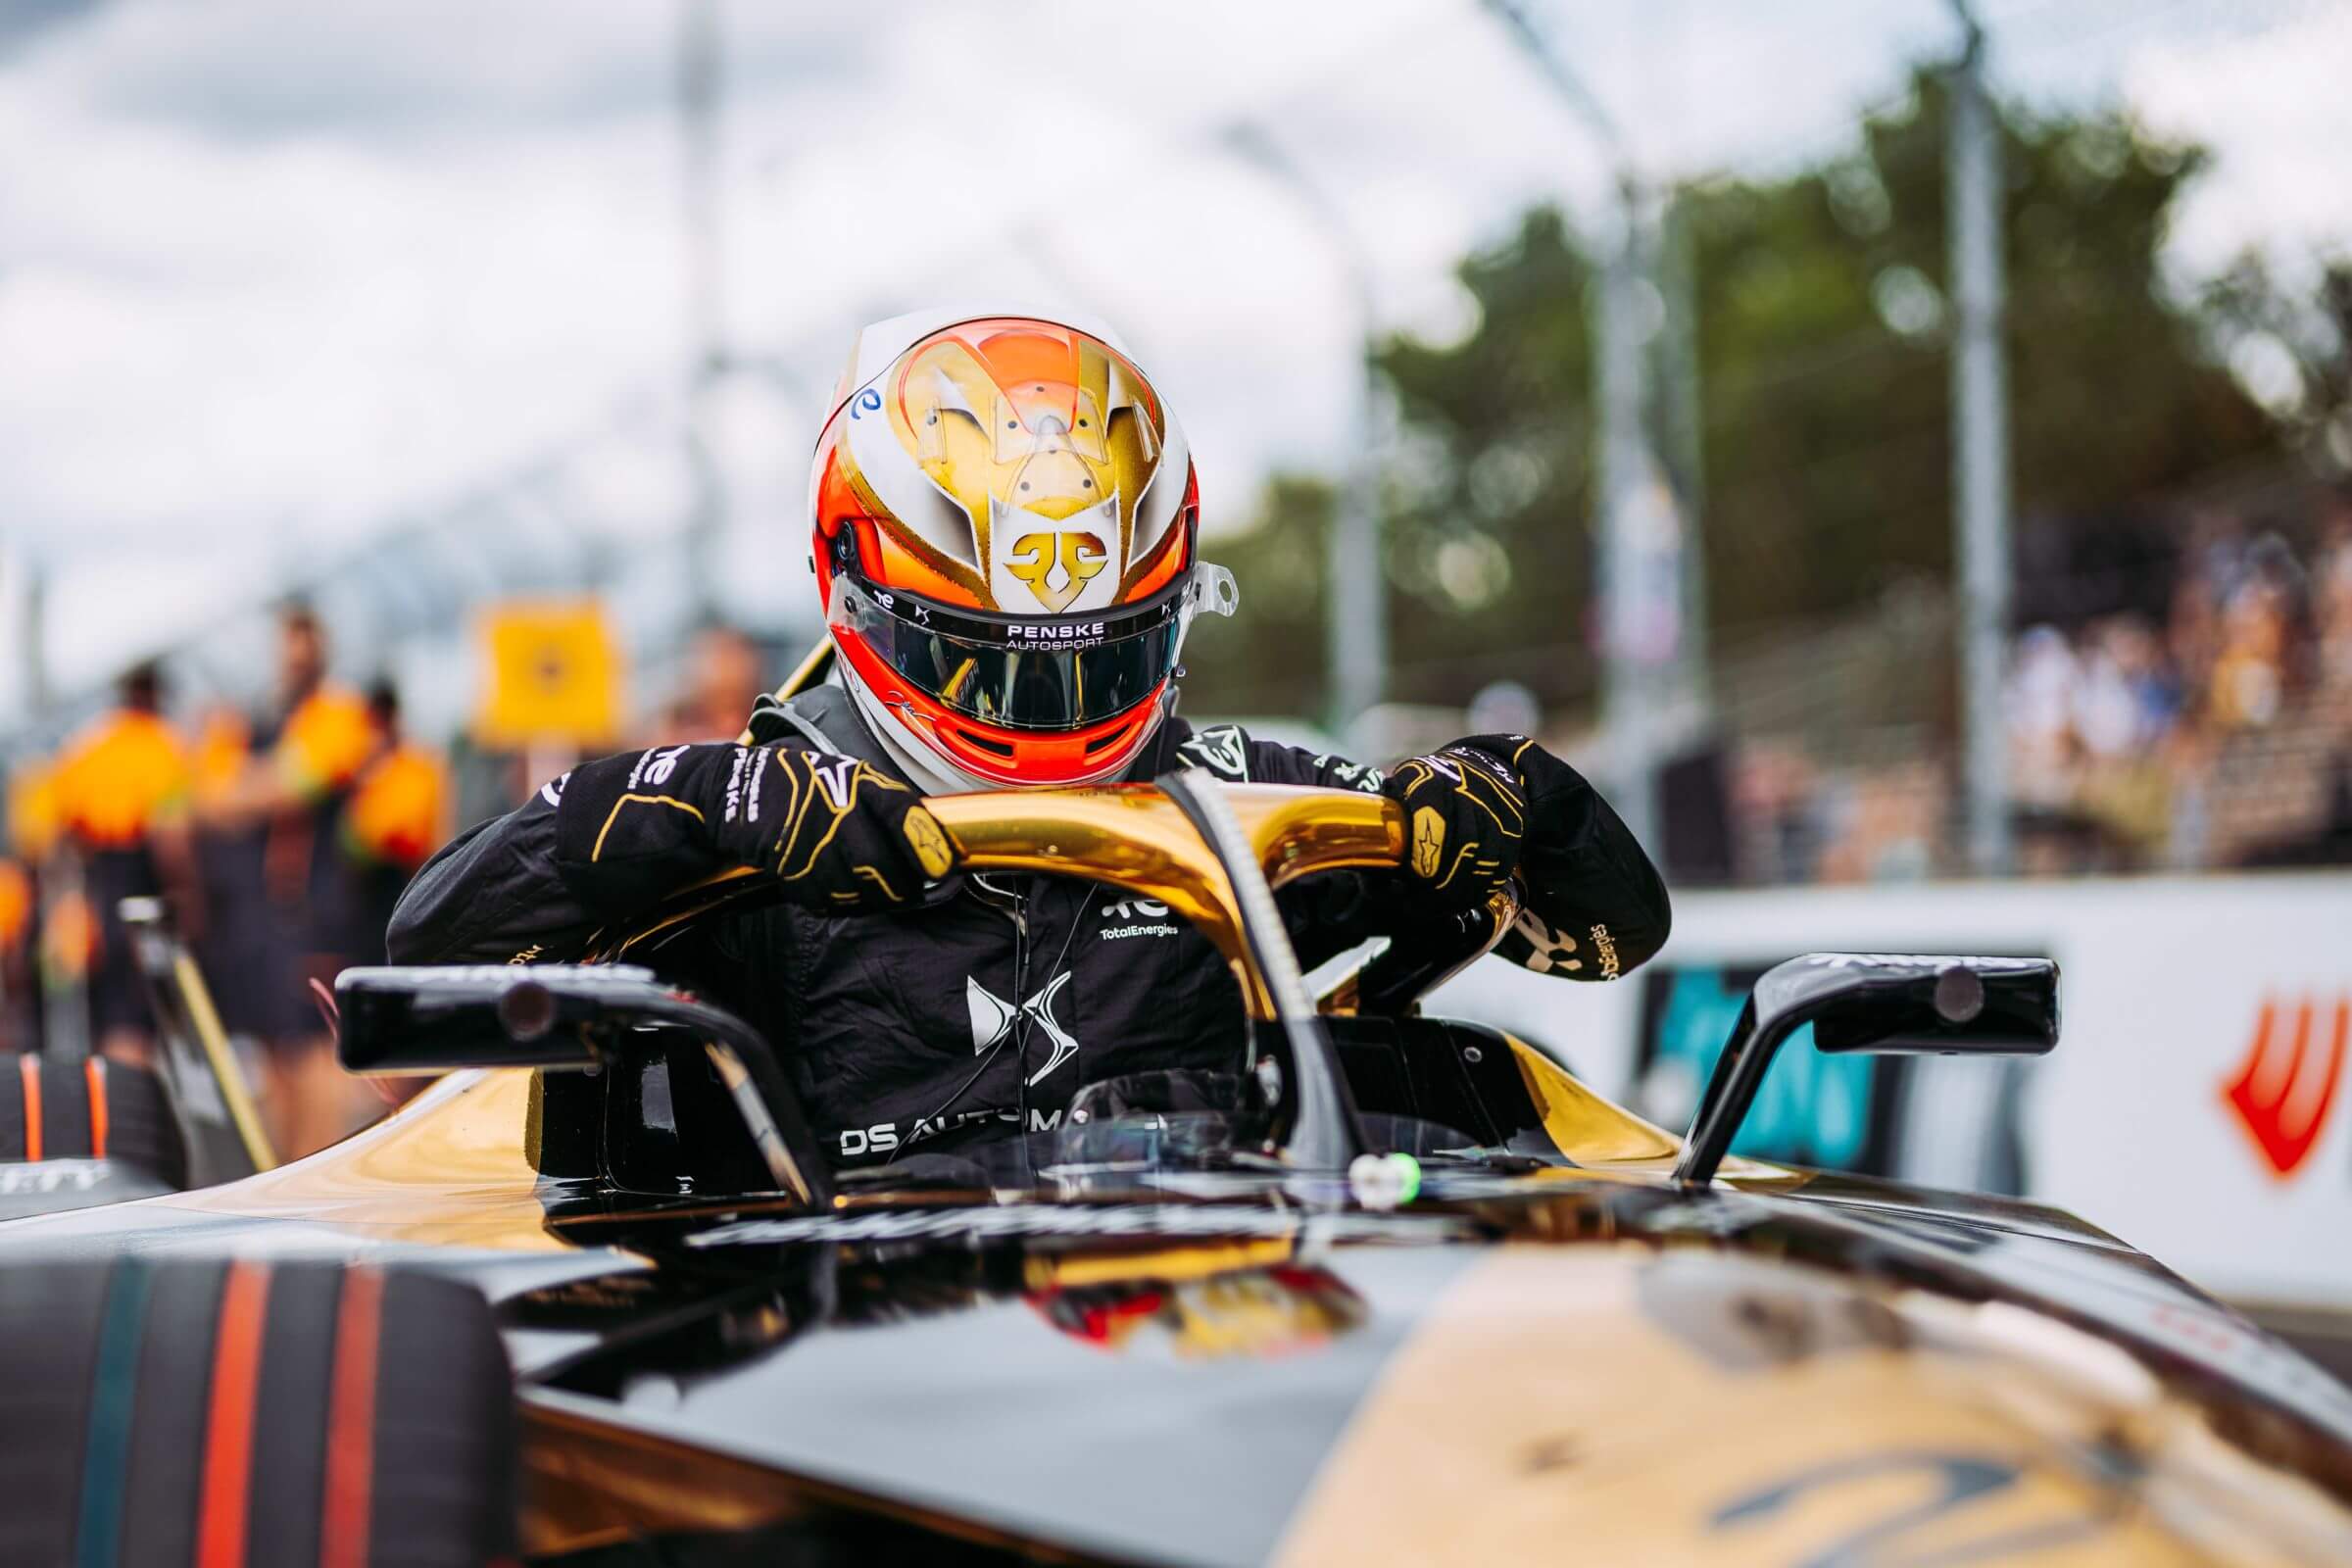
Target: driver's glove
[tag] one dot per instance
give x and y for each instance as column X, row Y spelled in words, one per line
column 1466, row 815
column 1594, row 905
column 837, row 835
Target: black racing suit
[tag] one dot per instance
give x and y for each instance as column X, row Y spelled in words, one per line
column 987, row 1006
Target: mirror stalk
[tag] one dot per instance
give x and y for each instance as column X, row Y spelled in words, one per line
column 563, row 1017
column 1887, row 1003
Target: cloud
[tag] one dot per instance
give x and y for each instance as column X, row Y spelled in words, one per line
column 2273, row 107
column 24, row 20
column 276, row 275
column 268, row 70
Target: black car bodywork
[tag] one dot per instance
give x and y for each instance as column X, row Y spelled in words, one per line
column 1218, row 1320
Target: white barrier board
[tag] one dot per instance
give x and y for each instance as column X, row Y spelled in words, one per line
column 2195, row 1106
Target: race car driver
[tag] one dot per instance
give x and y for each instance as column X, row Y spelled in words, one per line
column 1006, row 547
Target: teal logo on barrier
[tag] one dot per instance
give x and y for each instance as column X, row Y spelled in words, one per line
column 1812, row 1109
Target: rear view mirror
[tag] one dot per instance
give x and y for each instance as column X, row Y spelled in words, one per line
column 559, row 1017
column 1918, row 1004
column 426, row 1020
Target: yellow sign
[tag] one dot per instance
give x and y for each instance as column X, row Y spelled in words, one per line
column 552, row 674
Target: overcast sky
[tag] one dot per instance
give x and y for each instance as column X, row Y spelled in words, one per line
column 275, row 275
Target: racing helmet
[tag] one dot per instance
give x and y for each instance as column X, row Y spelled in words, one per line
column 1006, row 544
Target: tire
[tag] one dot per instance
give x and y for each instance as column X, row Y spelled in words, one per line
column 93, row 1110
column 265, row 1415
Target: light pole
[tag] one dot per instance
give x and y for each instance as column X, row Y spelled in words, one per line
column 1649, row 581
column 1354, row 578
column 33, row 637
column 1639, row 534
column 1981, row 515
column 700, row 82
column 1685, row 414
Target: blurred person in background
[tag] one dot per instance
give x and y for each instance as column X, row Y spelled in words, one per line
column 2040, row 704
column 397, row 817
column 228, row 929
column 1882, row 825
column 2249, row 671
column 2123, row 714
column 32, row 835
column 2331, row 598
column 1004, row 525
column 286, row 892
column 16, row 956
column 1778, row 798
column 2108, row 714
column 121, row 793
column 722, row 682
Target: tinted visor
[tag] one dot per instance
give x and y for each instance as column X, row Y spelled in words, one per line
column 1052, row 673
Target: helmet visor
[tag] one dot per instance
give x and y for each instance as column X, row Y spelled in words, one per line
column 1045, row 673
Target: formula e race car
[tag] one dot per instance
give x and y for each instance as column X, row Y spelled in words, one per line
column 1392, row 1289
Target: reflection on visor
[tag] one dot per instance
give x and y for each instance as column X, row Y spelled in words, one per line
column 1023, row 674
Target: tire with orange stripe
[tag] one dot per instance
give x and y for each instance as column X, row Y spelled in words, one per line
column 251, row 1414
column 90, row 1109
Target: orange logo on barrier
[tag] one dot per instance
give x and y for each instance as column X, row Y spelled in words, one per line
column 2284, row 1092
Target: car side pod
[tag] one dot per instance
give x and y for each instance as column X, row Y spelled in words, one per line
column 1896, row 1003
column 561, row 1017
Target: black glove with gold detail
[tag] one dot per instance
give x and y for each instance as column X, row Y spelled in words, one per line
column 838, row 834
column 1594, row 907
column 1465, row 816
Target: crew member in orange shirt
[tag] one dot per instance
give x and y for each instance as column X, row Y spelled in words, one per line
column 121, row 798
column 398, row 816
column 31, row 812
column 288, row 804
column 16, row 947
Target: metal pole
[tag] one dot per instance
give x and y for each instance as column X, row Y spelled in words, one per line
column 1980, row 446
column 700, row 83
column 1685, row 444
column 1358, row 629
column 32, row 628
column 1624, row 472
column 1638, row 532
column 1354, row 578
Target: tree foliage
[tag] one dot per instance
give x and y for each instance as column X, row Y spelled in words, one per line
column 1268, row 659
column 2296, row 344
column 1823, row 365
